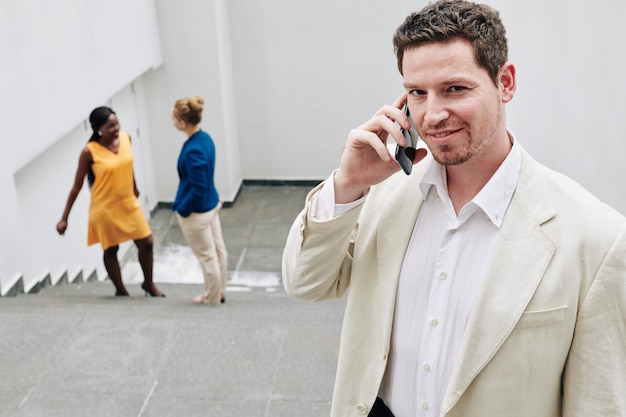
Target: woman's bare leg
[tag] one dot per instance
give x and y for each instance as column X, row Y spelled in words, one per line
column 146, row 260
column 112, row 266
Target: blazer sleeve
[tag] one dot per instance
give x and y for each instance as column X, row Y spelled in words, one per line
column 317, row 258
column 595, row 374
column 196, row 182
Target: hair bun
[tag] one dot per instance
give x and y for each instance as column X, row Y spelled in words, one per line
column 196, row 104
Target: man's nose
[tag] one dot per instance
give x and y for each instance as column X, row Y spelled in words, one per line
column 435, row 111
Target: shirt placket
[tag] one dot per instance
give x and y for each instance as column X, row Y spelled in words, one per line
column 436, row 321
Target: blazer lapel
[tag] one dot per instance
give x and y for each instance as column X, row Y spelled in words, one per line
column 510, row 282
column 397, row 220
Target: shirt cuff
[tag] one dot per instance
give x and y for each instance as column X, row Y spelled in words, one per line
column 323, row 206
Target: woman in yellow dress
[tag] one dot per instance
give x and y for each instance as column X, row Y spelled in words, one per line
column 115, row 215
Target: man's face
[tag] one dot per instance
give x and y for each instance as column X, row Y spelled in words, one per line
column 456, row 107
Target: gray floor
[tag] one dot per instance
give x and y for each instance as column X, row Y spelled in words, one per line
column 75, row 350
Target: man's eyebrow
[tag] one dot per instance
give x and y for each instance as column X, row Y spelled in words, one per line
column 409, row 85
column 460, row 80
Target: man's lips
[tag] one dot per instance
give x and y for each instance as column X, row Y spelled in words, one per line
column 441, row 135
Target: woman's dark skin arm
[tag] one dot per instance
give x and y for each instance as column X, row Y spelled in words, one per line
column 135, row 189
column 84, row 162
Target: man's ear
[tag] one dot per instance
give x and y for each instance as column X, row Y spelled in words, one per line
column 507, row 82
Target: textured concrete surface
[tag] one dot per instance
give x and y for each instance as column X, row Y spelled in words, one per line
column 75, row 350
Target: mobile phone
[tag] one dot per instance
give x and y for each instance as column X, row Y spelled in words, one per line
column 406, row 154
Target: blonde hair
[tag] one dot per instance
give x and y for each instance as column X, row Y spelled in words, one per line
column 189, row 109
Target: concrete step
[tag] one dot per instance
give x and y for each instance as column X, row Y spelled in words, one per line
column 77, row 350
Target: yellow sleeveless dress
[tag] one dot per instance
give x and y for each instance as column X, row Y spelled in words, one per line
column 115, row 214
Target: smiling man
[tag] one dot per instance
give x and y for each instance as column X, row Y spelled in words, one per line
column 483, row 283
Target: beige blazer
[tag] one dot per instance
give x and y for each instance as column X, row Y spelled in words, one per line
column 547, row 335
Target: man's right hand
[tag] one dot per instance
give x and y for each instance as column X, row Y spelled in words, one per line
column 366, row 160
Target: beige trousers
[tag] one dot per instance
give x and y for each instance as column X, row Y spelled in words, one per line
column 203, row 232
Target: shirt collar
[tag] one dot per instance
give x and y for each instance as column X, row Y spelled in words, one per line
column 495, row 196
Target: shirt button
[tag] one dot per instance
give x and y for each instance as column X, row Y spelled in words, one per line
column 434, row 322
column 453, row 231
column 426, row 366
column 425, row 406
column 443, row 275
column 361, row 408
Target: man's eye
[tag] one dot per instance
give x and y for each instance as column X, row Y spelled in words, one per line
column 457, row 88
column 417, row 92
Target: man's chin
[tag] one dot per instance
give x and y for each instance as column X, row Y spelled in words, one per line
column 449, row 157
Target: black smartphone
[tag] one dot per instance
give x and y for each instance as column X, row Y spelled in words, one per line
column 406, row 154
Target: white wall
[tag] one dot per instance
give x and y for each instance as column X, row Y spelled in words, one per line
column 569, row 105
column 61, row 58
column 284, row 83
column 305, row 74
column 195, row 44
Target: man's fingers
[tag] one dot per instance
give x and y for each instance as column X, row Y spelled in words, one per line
column 383, row 125
column 359, row 138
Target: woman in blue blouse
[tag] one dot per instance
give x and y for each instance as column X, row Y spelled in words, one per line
column 197, row 202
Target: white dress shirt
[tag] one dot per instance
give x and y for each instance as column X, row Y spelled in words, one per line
column 444, row 264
